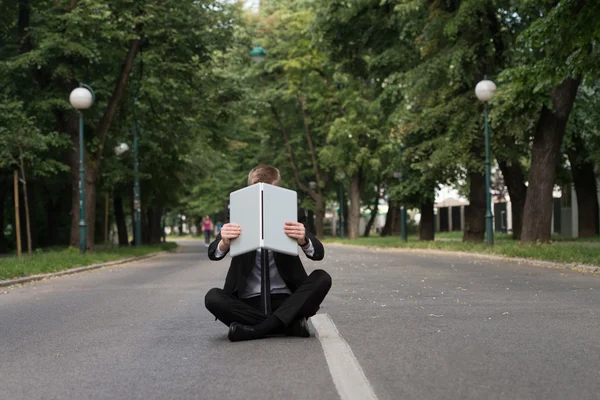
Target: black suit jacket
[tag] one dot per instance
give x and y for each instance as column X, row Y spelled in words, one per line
column 290, row 267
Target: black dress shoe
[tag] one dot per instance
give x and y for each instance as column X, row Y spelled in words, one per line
column 298, row 328
column 239, row 332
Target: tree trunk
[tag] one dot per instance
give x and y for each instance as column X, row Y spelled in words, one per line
column 397, row 221
column 3, row 194
column 26, row 201
column 53, row 210
column 145, row 225
column 106, row 218
column 310, row 221
column 547, row 141
column 132, row 213
column 388, row 228
column 427, row 225
column 374, row 212
column 199, row 228
column 354, row 212
column 154, row 216
column 584, row 180
column 17, row 213
column 475, row 211
column 120, row 220
column 346, row 213
column 180, row 221
column 90, row 206
column 320, row 216
column 517, row 190
column 33, row 193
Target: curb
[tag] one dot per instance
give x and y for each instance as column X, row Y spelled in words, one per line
column 540, row 263
column 40, row 277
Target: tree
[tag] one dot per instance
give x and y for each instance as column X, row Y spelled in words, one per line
column 22, row 147
column 582, row 142
column 294, row 89
column 558, row 49
column 361, row 38
column 97, row 42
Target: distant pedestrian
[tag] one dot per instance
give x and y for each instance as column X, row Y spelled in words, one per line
column 208, row 227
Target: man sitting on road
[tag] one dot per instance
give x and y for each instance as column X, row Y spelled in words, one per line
column 295, row 296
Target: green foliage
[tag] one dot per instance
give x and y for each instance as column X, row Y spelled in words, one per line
column 346, row 84
column 21, row 141
column 583, row 130
column 183, row 96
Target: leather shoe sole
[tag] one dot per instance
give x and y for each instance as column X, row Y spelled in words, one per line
column 239, row 332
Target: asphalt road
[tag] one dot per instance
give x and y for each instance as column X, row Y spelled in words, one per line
column 420, row 326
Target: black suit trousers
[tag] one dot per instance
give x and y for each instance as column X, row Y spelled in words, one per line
column 303, row 303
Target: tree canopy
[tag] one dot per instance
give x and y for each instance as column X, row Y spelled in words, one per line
column 368, row 97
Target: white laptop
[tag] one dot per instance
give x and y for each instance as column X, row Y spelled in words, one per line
column 262, row 210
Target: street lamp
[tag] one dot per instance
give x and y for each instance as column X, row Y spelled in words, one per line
column 82, row 98
column 340, row 177
column 258, row 54
column 137, row 205
column 122, row 148
column 484, row 92
column 403, row 228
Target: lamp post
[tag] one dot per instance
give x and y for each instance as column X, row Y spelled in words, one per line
column 403, row 228
column 120, row 149
column 341, row 176
column 82, row 98
column 484, row 92
column 137, row 204
column 258, row 54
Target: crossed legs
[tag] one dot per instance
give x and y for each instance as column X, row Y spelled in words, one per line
column 303, row 303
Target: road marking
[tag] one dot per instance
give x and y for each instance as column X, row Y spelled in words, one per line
column 348, row 377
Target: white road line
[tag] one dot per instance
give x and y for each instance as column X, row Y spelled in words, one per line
column 348, row 377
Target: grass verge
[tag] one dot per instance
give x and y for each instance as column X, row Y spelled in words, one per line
column 48, row 261
column 564, row 253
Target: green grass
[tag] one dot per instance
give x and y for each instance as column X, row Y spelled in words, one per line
column 559, row 238
column 54, row 260
column 575, row 252
column 458, row 235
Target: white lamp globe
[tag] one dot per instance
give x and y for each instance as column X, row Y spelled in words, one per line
column 485, row 90
column 81, row 98
column 122, row 148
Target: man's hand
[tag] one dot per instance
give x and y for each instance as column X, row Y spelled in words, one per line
column 296, row 230
column 229, row 232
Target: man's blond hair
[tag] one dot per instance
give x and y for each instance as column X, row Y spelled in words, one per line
column 265, row 174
